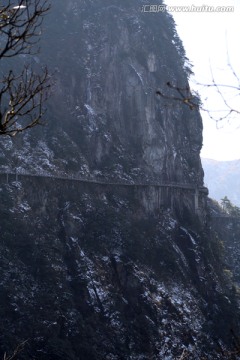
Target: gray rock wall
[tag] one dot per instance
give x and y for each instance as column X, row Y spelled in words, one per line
column 108, row 61
column 95, row 271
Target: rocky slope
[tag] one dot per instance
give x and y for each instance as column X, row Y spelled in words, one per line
column 102, row 271
column 227, row 228
column 89, row 273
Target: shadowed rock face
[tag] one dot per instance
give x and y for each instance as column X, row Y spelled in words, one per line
column 87, row 272
column 227, row 228
column 98, row 271
column 109, row 59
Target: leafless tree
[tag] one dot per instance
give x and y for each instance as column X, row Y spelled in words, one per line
column 23, row 94
column 183, row 95
column 174, row 93
column 234, row 85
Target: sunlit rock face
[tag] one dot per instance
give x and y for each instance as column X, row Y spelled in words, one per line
column 95, row 271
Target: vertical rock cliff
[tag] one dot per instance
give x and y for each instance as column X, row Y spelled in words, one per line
column 108, row 61
column 112, row 266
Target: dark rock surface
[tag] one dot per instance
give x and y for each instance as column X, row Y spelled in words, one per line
column 91, row 271
column 104, row 116
column 227, row 228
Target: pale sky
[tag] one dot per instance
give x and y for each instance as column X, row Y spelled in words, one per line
column 209, row 38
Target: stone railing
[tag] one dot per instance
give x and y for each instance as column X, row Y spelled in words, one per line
column 75, row 177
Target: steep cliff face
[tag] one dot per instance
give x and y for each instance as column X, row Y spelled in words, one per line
column 109, row 59
column 104, row 271
column 89, row 273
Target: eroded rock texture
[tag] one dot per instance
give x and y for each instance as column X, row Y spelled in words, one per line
column 105, row 118
column 94, row 271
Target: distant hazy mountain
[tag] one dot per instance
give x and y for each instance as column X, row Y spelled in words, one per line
column 223, row 178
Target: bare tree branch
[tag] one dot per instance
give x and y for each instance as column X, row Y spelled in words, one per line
column 183, row 95
column 21, row 100
column 20, row 26
column 190, row 99
column 16, row 352
column 187, row 98
column 21, row 95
